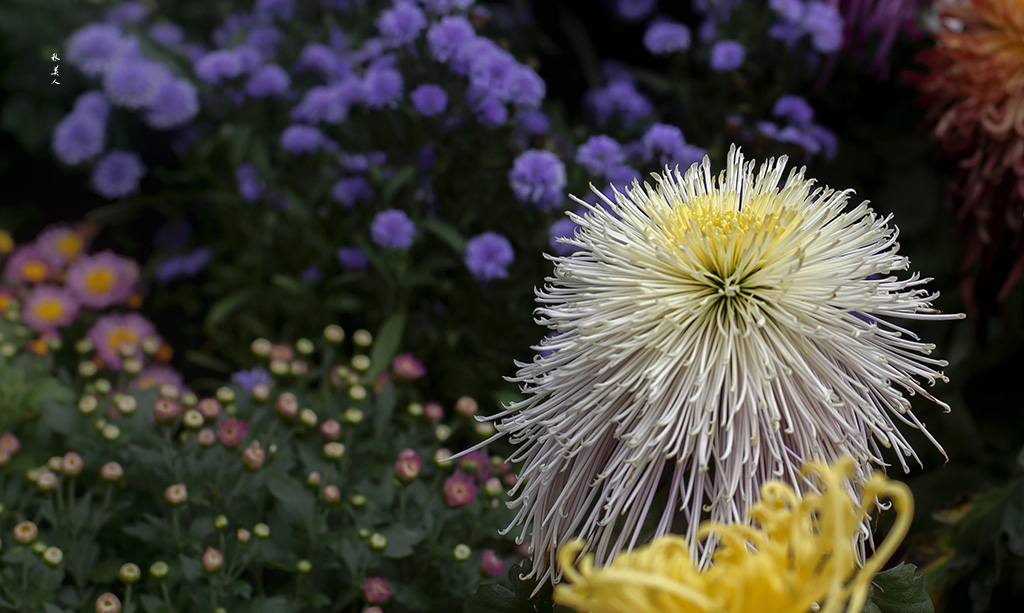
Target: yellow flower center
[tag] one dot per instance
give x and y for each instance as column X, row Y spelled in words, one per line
column 6, row 243
column 50, row 310
column 35, row 271
column 99, row 280
column 122, row 336
column 71, row 245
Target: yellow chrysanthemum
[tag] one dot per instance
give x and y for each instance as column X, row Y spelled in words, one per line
column 793, row 554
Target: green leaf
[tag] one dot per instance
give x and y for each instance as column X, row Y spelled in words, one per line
column 384, row 409
column 397, row 182
column 296, row 501
column 400, row 541
column 386, row 343
column 277, row 604
column 899, row 590
column 224, row 307
column 493, row 598
column 446, row 232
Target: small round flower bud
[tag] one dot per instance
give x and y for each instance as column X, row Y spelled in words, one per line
column 83, row 345
column 253, row 456
column 364, row 533
column 332, row 494
column 314, row 479
column 362, row 338
column 361, row 362
column 87, row 369
column 334, row 450
column 304, row 566
column 307, row 417
column 287, row 405
column 125, row 404
column 261, row 347
column 353, row 415
column 442, row 432
column 25, row 532
column 193, row 419
column 54, row 463
column 129, row 573
column 441, row 456
column 298, row 367
column 71, row 464
column 108, row 603
column 261, row 530
column 226, row 394
column 176, row 494
column 166, row 410
column 209, row 408
column 461, row 552
column 220, row 522
column 334, row 333
column 484, row 429
column 378, row 541
column 32, row 474
column 304, row 346
column 279, row 367
column 493, row 486
column 159, row 569
column 213, row 560
column 466, row 406
column 102, row 386
column 8, row 349
column 132, row 366
column 415, row 409
column 206, row 437
column 169, row 390
column 47, row 481
column 53, row 556
column 330, row 430
column 357, row 392
column 260, row 392
column 111, row 432
column 189, row 399
column 243, row 535
column 150, row 345
column 111, row 471
column 433, row 411
column 39, row 547
column 87, row 405
column 357, row 500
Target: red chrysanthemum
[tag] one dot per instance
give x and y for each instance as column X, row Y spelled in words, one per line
column 974, row 87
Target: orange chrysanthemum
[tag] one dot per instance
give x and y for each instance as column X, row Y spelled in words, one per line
column 974, row 87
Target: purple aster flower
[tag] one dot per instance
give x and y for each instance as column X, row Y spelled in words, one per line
column 600, row 154
column 117, row 174
column 382, row 87
column 264, row 38
column 78, row 137
column 270, row 80
column 249, row 57
column 230, row 27
column 794, row 109
column 126, row 13
column 429, row 99
column 31, row 264
column 134, row 83
column 535, row 121
column 525, row 87
column 318, row 57
column 448, row 35
column 826, row 140
column 788, row 33
column 563, row 228
column 299, row 139
column 251, row 187
column 392, row 229
column 352, row 258
column 93, row 48
column 622, row 175
column 320, row 103
column 401, row 24
column 282, row 9
column 634, row 10
column 175, row 104
column 538, row 177
column 473, row 51
column 93, row 104
column 218, row 65
column 662, row 143
column 248, row 379
column 796, row 136
column 488, row 256
column 789, row 10
column 312, row 274
column 167, row 34
column 102, row 279
column 491, row 73
column 446, row 6
column 727, row 55
column 825, row 25
column 621, row 99
column 667, row 37
column 490, row 111
column 193, row 263
column 48, row 307
column 113, row 333
column 350, row 190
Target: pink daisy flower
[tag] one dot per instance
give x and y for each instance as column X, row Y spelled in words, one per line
column 47, row 307
column 232, row 432
column 63, row 242
column 31, row 264
column 459, row 490
column 103, row 279
column 112, row 332
column 377, row 590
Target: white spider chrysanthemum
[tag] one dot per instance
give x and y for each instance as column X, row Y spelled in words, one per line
column 710, row 336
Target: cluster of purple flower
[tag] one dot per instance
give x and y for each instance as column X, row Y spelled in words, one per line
column 816, row 19
column 798, row 127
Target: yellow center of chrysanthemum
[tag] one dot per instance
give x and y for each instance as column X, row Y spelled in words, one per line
column 797, row 555
column 99, row 280
column 35, row 271
column 50, row 310
column 122, row 336
column 71, row 246
column 6, row 243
